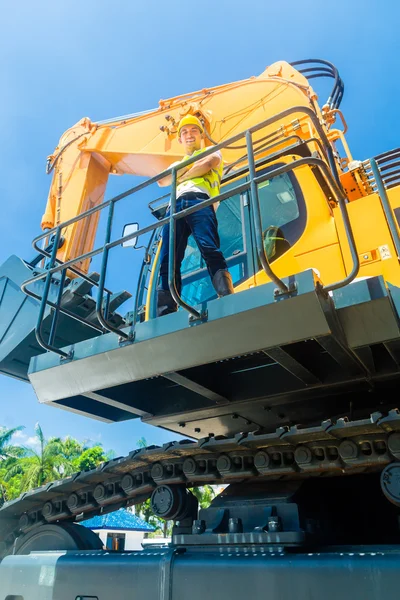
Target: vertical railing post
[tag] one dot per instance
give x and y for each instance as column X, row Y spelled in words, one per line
column 43, row 303
column 387, row 209
column 107, row 305
column 102, row 281
column 256, row 211
column 172, row 252
column 56, row 311
column 172, row 240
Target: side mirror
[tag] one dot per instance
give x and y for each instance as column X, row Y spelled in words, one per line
column 128, row 230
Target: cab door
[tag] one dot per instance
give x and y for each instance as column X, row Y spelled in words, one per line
column 298, row 226
column 235, row 237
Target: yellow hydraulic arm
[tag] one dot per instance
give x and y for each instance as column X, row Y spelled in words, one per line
column 146, row 144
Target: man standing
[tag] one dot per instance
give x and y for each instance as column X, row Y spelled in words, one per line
column 195, row 183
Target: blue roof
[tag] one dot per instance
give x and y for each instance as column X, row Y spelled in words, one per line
column 120, row 519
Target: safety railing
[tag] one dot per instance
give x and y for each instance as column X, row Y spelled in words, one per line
column 389, row 167
column 328, row 173
column 378, row 184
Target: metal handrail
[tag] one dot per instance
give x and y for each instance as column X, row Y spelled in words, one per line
column 143, row 274
column 53, row 267
column 388, row 167
column 295, row 109
column 39, row 334
column 240, row 188
column 100, row 292
column 256, row 211
column 347, row 227
column 387, row 209
column 172, row 258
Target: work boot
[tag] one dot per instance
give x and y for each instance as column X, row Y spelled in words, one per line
column 222, row 282
column 165, row 303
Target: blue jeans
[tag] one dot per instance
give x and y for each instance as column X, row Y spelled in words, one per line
column 203, row 226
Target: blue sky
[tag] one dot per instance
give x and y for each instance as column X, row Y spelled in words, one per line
column 63, row 61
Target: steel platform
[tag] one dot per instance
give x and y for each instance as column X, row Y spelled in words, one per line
column 258, row 360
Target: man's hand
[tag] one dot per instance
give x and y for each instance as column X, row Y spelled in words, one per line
column 165, row 181
column 201, row 167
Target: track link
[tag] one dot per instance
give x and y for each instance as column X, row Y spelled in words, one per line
column 332, row 448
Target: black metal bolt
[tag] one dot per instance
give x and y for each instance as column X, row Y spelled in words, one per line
column 262, row 460
column 198, row 527
column 224, row 463
column 157, row 471
column 235, row 525
column 189, row 466
column 99, row 492
column 48, row 510
column 127, row 483
column 303, row 455
column 274, row 524
column 73, row 501
column 348, row 450
column 394, row 443
column 24, row 521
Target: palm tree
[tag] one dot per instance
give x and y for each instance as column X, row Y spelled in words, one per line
column 8, row 450
column 46, row 464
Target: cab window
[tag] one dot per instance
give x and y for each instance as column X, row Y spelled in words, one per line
column 196, row 283
column 283, row 212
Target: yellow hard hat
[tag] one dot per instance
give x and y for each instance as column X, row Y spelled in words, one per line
column 190, row 120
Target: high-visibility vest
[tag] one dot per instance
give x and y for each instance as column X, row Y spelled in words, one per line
column 211, row 181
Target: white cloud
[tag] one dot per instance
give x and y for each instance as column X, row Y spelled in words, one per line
column 32, row 442
column 19, row 435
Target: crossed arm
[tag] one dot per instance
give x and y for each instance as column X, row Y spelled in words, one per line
column 199, row 168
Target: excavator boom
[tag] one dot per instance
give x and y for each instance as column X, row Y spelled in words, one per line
column 146, row 144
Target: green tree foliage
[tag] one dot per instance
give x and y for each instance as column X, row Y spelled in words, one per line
column 7, row 450
column 43, row 465
column 23, row 468
column 9, row 454
column 204, row 495
column 89, row 459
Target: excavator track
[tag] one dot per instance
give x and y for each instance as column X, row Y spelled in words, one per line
column 331, row 448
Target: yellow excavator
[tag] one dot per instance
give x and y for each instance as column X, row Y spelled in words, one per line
column 287, row 389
